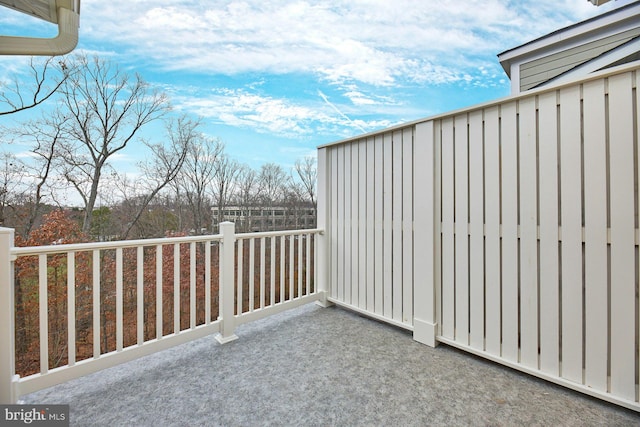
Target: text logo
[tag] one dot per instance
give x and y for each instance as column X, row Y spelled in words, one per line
column 34, row 415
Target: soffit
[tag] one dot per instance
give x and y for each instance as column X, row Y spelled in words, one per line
column 43, row 9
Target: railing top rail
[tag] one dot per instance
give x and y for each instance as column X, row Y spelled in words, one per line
column 279, row 233
column 552, row 87
column 77, row 247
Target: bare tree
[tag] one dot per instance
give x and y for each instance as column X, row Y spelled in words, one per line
column 163, row 165
column 246, row 195
column 45, row 135
column 196, row 178
column 307, row 172
column 106, row 108
column 224, row 181
column 273, row 182
column 12, row 172
column 46, row 78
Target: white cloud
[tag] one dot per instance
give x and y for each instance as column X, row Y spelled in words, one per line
column 270, row 115
column 372, row 42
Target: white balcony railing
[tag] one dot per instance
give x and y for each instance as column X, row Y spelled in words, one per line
column 86, row 307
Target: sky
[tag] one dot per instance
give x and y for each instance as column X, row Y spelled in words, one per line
column 275, row 79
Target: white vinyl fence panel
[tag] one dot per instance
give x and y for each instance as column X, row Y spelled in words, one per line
column 510, row 228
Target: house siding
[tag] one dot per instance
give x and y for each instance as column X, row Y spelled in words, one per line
column 541, row 70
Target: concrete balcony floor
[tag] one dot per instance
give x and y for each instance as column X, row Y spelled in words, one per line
column 318, row 367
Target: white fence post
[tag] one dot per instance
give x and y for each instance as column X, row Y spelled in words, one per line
column 425, row 321
column 227, row 294
column 7, row 332
column 323, row 265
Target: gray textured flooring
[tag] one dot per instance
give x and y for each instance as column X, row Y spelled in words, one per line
column 321, row 367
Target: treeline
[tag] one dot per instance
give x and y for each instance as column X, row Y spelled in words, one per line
column 184, row 184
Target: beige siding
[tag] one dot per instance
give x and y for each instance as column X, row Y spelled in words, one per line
column 543, row 69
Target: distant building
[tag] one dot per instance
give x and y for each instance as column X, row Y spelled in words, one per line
column 262, row 218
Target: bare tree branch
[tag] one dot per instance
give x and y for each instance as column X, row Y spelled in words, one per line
column 19, row 98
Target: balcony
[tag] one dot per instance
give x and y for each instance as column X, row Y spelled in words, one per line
column 507, row 231
column 321, row 366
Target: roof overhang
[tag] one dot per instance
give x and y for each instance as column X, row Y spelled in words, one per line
column 64, row 13
column 613, row 21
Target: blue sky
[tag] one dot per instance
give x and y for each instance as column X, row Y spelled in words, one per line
column 274, row 79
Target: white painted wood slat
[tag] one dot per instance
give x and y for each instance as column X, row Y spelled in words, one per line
column 595, row 225
column 240, row 282
column 448, row 215
column 96, row 303
column 334, row 225
column 509, row 161
column 387, row 232
column 362, row 224
column 283, row 240
column 272, row 270
column 43, row 312
column 345, row 290
column 571, row 222
column 528, row 193
column 252, row 275
column 140, row 294
column 207, row 283
column 299, row 264
column 119, row 317
column 407, row 224
column 623, row 262
column 493, row 309
column 176, row 288
column 308, row 264
column 476, row 231
column 262, row 273
column 354, row 279
column 158, row 290
column 370, row 226
column 71, row 308
column 291, row 264
column 461, row 221
column 192, row 285
column 377, row 242
column 435, row 157
column 340, row 236
column 397, row 226
column 549, row 238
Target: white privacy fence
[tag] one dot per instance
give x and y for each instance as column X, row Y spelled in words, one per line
column 68, row 310
column 509, row 230
column 369, row 185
